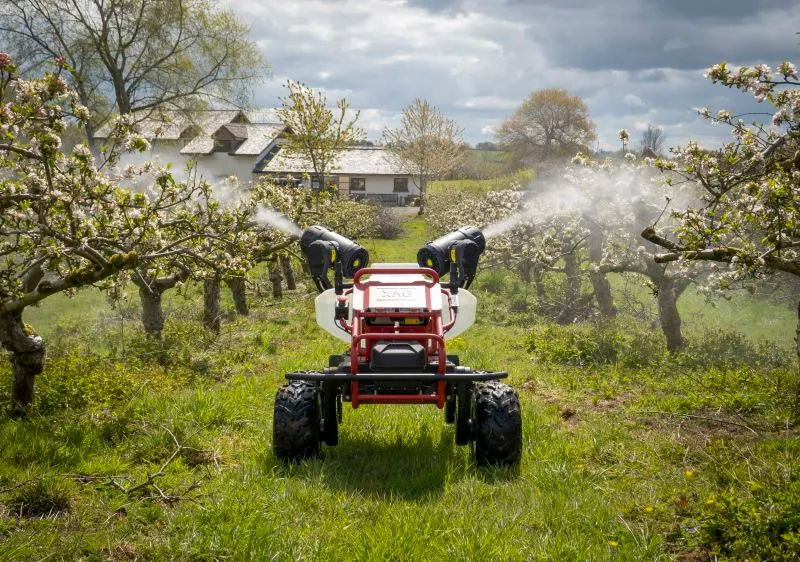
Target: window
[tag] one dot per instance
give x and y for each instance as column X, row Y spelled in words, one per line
column 288, row 181
column 223, row 145
column 358, row 184
column 400, row 185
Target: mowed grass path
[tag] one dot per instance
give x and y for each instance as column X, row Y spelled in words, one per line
column 602, row 476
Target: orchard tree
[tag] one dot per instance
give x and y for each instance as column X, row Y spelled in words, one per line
column 222, row 236
column 63, row 224
column 624, row 136
column 586, row 226
column 232, row 237
column 525, row 237
column 749, row 215
column 550, row 124
column 427, row 144
column 134, row 56
column 315, row 133
column 620, row 200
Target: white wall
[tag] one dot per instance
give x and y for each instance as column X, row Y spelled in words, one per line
column 221, row 165
column 385, row 184
column 213, row 167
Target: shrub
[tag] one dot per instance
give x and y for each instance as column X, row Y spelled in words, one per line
column 763, row 525
column 386, row 224
column 632, row 345
column 723, row 348
column 595, row 344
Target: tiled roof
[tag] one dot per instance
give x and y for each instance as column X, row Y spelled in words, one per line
column 262, row 115
column 351, row 161
column 259, row 135
column 238, row 130
column 199, row 145
column 172, row 124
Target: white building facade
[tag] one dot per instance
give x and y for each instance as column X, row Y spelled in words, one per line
column 247, row 145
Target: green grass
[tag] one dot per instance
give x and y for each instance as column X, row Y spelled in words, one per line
column 520, row 180
column 655, row 462
column 403, row 250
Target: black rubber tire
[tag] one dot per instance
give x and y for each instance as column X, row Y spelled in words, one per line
column 497, row 426
column 330, row 417
column 465, row 409
column 450, row 410
column 296, row 422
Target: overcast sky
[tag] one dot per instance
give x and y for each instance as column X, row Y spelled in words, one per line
column 634, row 62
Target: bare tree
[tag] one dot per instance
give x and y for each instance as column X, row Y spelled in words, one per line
column 133, row 56
column 427, row 143
column 652, row 141
column 549, row 124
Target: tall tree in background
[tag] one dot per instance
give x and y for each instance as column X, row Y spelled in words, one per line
column 132, row 56
column 315, row 133
column 652, row 140
column 427, row 143
column 549, row 124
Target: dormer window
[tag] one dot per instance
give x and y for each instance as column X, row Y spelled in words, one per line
column 224, row 145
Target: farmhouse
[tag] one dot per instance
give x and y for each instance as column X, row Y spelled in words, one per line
column 247, row 144
column 220, row 143
column 234, row 149
column 358, row 172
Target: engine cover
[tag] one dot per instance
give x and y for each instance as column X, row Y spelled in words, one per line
column 397, row 356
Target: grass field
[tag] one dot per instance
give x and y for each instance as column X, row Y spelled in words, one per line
column 637, row 457
column 518, row 180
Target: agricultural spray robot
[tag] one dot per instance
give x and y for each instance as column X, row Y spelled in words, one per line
column 396, row 319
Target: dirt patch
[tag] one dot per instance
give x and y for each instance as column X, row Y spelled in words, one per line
column 568, row 413
column 609, row 403
column 698, row 428
column 200, row 457
column 546, row 395
column 122, row 551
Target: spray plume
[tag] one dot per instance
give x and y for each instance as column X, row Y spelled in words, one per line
column 589, row 192
column 273, row 219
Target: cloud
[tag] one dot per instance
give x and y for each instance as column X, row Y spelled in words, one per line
column 478, row 60
column 633, row 100
column 675, row 44
column 488, row 102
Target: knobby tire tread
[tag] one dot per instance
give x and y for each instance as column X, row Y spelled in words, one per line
column 498, row 425
column 296, row 422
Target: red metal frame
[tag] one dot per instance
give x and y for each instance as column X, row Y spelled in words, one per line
column 431, row 336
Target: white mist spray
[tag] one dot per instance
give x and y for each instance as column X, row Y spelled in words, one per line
column 591, row 193
column 273, row 219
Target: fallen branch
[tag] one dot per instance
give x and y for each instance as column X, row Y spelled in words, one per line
column 704, row 418
column 150, row 480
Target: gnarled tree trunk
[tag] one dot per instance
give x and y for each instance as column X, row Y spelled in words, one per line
column 288, row 274
column 27, row 355
column 275, row 277
column 211, row 308
column 602, row 294
column 237, row 286
column 538, row 281
column 152, row 311
column 600, row 284
column 150, row 293
column 797, row 350
column 573, row 294
column 669, row 291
